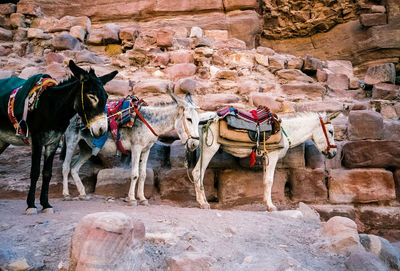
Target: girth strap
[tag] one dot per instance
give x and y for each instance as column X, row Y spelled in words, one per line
column 144, row 121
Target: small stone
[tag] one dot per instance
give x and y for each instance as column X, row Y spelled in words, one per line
column 196, row 32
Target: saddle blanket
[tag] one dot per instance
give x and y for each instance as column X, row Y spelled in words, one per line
column 8, row 85
column 258, row 116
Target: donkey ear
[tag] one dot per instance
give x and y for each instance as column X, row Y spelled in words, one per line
column 189, row 99
column 333, row 115
column 108, row 77
column 76, row 71
column 175, row 97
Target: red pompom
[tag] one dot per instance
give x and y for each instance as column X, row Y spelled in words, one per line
column 252, row 158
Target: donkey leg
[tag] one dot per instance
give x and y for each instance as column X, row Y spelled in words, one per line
column 3, row 146
column 70, row 141
column 135, row 157
column 35, row 172
column 206, row 154
column 269, row 164
column 142, row 177
column 84, row 155
column 49, row 153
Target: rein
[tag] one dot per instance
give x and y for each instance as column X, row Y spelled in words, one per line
column 326, row 135
column 189, row 135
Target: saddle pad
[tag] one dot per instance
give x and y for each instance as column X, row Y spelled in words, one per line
column 237, row 144
column 238, row 123
column 8, row 85
column 242, row 135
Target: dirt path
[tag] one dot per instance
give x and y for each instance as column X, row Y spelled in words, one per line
column 234, row 239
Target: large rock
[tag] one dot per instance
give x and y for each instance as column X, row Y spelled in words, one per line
column 381, row 248
column 327, row 211
column 236, row 187
column 385, row 91
column 364, row 261
column 328, row 105
column 5, row 34
column 174, row 185
column 211, row 102
column 188, row 261
column 311, row 64
column 303, row 90
column 145, row 87
column 384, row 73
column 342, row 233
column 265, row 99
column 391, row 130
column 360, row 185
column 182, row 70
column 372, row 19
column 107, row 241
column 6, row 9
column 338, row 81
column 294, row 75
column 365, row 124
column 115, row 182
column 110, row 33
column 86, row 56
column 384, row 221
column 308, row 185
column 66, row 42
column 244, row 25
column 181, row 56
column 371, row 153
column 118, row 87
column 58, row 71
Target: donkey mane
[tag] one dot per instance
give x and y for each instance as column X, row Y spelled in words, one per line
column 164, row 103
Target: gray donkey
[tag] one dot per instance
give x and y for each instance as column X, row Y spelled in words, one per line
column 180, row 115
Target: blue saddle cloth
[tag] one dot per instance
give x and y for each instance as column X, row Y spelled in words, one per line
column 7, row 85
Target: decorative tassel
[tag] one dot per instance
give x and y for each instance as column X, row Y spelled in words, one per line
column 253, row 158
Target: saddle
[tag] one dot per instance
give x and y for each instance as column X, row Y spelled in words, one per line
column 18, row 96
column 254, row 126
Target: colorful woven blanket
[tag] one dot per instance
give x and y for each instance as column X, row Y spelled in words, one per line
column 258, row 116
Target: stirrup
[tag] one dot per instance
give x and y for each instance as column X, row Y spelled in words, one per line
column 20, row 133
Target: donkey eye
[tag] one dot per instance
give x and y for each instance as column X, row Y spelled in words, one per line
column 93, row 99
column 331, row 132
column 189, row 120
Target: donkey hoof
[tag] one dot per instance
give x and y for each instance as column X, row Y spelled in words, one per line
column 67, row 198
column 132, row 202
column 84, row 197
column 272, row 208
column 144, row 202
column 205, row 206
column 48, row 211
column 31, row 211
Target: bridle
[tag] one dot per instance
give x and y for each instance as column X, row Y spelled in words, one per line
column 329, row 146
column 189, row 135
column 84, row 112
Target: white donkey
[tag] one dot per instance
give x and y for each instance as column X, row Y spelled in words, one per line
column 298, row 128
column 180, row 115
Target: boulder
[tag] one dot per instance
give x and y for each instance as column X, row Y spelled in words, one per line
column 371, row 153
column 115, row 182
column 196, row 32
column 377, row 9
column 54, row 58
column 381, row 248
column 311, row 64
column 262, row 59
column 160, row 59
column 244, row 25
column 364, row 261
column 86, row 56
column 174, row 185
column 360, row 185
column 95, row 37
column 294, row 75
column 277, row 62
column 372, row 19
column 58, row 71
column 164, row 37
column 308, row 185
column 188, row 261
column 8, row 8
column 20, row 34
column 327, row 211
column 365, row 124
column 107, row 241
column 384, row 73
column 28, row 72
column 145, row 87
column 239, row 186
column 36, row 33
column 78, row 32
column 181, row 56
column 231, row 43
column 178, row 71
column 5, row 34
column 294, row 62
column 391, row 130
column 340, row 67
column 110, row 33
column 380, row 219
column 303, row 90
column 182, row 43
column 265, row 51
column 186, row 85
column 211, row 102
column 66, row 42
column 118, row 87
column 317, row 106
column 337, row 81
column 322, row 76
column 29, row 8
column 342, row 233
column 5, row 74
column 216, row 35
column 385, row 91
column 240, row 4
column 17, row 20
column 226, row 74
column 265, row 99
column 66, row 23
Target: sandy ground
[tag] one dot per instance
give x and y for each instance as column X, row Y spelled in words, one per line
column 232, row 239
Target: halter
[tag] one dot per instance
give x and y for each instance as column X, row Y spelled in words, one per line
column 189, row 135
column 326, row 135
column 84, row 112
